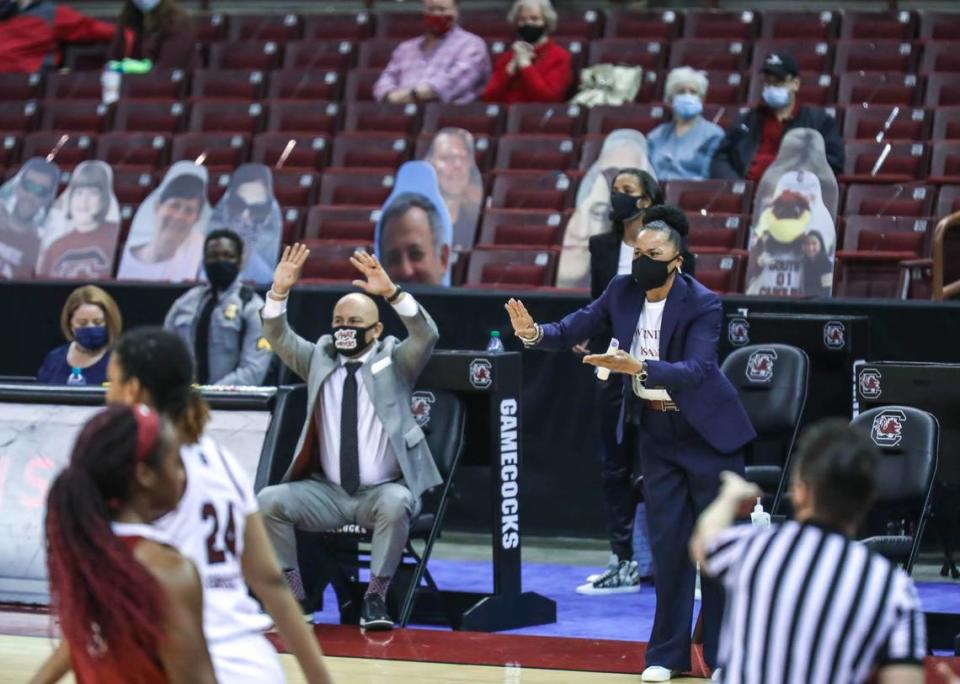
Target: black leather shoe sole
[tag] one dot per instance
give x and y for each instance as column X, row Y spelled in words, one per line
column 376, row 624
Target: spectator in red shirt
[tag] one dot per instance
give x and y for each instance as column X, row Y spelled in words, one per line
column 31, row 32
column 535, row 69
column 162, row 32
column 752, row 142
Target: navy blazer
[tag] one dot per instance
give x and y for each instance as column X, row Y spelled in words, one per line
column 687, row 368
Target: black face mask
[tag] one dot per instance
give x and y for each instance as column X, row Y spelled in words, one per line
column 351, row 340
column 530, row 33
column 649, row 273
column 623, row 207
column 221, row 274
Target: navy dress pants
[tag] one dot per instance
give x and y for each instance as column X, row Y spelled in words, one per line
column 681, row 477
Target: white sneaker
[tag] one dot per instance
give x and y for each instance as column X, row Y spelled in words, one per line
column 620, row 579
column 611, row 564
column 717, row 675
column 655, row 673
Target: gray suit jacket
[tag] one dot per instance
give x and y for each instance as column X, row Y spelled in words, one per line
column 389, row 375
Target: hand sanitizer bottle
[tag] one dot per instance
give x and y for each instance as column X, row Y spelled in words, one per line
column 759, row 518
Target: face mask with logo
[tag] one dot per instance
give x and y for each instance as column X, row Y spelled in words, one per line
column 623, row 207
column 776, row 97
column 437, row 24
column 92, row 337
column 531, row 33
column 220, row 273
column 351, row 340
column 649, row 273
column 687, row 106
column 146, row 5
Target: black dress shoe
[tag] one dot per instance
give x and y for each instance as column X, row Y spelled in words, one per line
column 374, row 615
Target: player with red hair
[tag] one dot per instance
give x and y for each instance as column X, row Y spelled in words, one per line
column 129, row 604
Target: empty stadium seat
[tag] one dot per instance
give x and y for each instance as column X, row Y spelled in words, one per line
column 373, row 151
column 644, row 25
column 711, row 196
column 295, row 187
column 261, row 56
column 19, row 117
column 292, row 224
column 229, row 84
column 541, row 119
column 16, row 86
column 376, row 53
column 70, row 149
column 943, row 90
column 476, row 117
column 709, row 54
column 291, row 150
column 905, row 162
column 489, row 23
column 880, row 55
column 214, row 150
column 722, row 273
column 880, row 89
column 132, row 188
column 150, row 117
column 532, row 190
column 9, row 152
column 726, row 88
column 210, row 28
column 338, row 55
column 158, row 84
column 77, row 85
column 399, row 25
column 732, row 25
column 941, row 56
column 948, row 201
column 304, row 117
column 134, row 149
column 578, row 24
column 527, row 152
column 308, row 85
column 889, row 200
column 717, row 234
column 522, row 227
column 945, row 162
column 603, row 119
column 651, row 87
column 88, row 116
column 897, row 25
column 355, row 188
column 359, row 84
column 346, row 26
column 650, row 54
column 330, row 260
column 376, row 117
column 812, row 56
column 896, row 123
column 280, row 28
column 227, row 117
column 873, row 248
column 341, row 223
column 511, row 266
column 803, row 25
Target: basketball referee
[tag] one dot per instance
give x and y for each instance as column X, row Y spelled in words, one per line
column 805, row 603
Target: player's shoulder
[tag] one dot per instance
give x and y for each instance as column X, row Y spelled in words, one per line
column 171, row 569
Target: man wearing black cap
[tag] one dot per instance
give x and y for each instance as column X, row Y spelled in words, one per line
column 752, row 142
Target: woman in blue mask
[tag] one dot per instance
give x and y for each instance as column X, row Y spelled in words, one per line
column 683, row 148
column 90, row 321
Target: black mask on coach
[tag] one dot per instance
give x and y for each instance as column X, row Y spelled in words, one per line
column 649, row 273
column 531, row 33
column 351, row 340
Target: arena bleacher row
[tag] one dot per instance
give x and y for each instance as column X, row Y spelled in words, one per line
column 262, row 81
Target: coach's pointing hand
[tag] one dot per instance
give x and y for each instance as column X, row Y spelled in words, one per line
column 287, row 273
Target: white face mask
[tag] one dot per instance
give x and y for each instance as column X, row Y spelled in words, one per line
column 146, row 5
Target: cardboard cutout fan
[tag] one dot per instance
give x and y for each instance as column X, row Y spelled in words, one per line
column 793, row 237
column 250, row 209
column 166, row 239
column 81, row 234
column 413, row 233
column 452, row 154
column 623, row 148
column 25, row 201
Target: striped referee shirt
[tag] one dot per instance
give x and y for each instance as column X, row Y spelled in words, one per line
column 807, row 604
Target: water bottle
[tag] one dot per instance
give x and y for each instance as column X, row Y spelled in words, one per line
column 110, row 83
column 76, row 377
column 604, row 373
column 760, row 518
column 495, row 345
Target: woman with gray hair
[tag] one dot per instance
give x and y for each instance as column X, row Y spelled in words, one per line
column 535, row 69
column 683, row 148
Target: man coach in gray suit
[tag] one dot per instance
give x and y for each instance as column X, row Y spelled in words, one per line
column 361, row 459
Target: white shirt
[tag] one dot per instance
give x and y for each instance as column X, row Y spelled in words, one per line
column 625, row 264
column 646, row 346
column 378, row 461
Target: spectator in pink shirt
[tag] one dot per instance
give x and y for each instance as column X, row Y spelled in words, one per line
column 446, row 64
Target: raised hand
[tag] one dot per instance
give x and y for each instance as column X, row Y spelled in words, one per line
column 618, row 362
column 287, row 272
column 377, row 281
column 520, row 319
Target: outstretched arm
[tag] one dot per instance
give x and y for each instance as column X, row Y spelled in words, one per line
column 292, row 349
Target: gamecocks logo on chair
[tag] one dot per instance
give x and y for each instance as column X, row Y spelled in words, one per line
column 738, row 332
column 869, row 383
column 760, row 365
column 834, row 335
column 420, row 404
column 481, row 373
column 887, row 430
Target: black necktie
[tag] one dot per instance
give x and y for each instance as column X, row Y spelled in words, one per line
column 202, row 340
column 349, row 444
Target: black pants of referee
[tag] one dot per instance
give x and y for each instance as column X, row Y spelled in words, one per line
column 681, row 477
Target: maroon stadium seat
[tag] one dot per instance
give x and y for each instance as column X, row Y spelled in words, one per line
column 732, row 25
column 644, row 25
column 227, row 117
column 78, row 85
column 134, row 149
column 945, row 162
column 580, row 24
column 939, row 25
column 896, row 123
column 9, row 151
column 359, row 84
column 376, row 117
column 809, row 25
column 489, row 23
column 133, row 187
column 359, row 188
column 532, row 190
column 651, row 87
column 905, row 162
column 371, row 151
column 150, row 117
column 522, row 227
column 330, row 260
column 509, row 266
column 650, row 54
column 527, row 152
column 295, row 187
column 356, row 224
column 722, row 273
column 812, row 56
column 948, row 201
column 89, row 116
column 219, row 150
column 338, row 55
column 873, row 247
column 880, row 88
column 603, row 119
column 710, row 54
column 353, row 27
column 711, row 196
column 304, row 117
column 726, row 88
column 211, row 28
column 306, row 85
column 228, row 84
column 546, row 119
column 476, row 117
column 880, row 55
column 899, row 25
column 280, row 28
column 75, row 149
column 15, row 86
column 261, row 56
column 308, row 152
column 375, row 53
column 943, row 90
column 940, row 56
column 292, row 224
column 717, row 233
column 158, row 84
column 19, row 116
column 889, row 200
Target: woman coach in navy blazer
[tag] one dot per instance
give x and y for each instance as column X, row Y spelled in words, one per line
column 686, row 437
